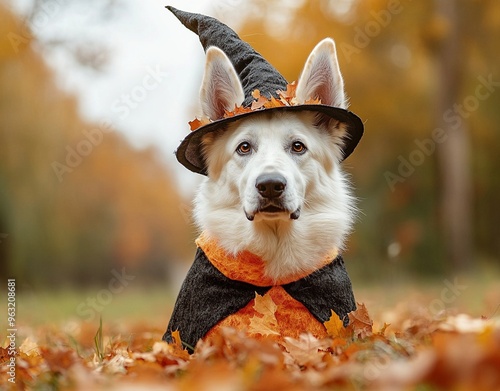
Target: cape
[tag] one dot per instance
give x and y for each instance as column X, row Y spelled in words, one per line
column 219, row 290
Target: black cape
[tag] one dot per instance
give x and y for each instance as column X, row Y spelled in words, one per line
column 207, row 296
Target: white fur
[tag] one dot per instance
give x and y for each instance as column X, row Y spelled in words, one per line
column 321, row 77
column 221, row 88
column 315, row 184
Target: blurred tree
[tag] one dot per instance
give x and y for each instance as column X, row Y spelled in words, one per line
column 453, row 154
column 76, row 200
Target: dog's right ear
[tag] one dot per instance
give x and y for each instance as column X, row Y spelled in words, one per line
column 321, row 77
column 221, row 88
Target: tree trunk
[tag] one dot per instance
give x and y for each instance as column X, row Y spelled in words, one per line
column 453, row 154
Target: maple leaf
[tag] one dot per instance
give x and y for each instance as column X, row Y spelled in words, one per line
column 315, row 101
column 198, row 123
column 360, row 322
column 236, row 111
column 307, row 350
column 177, row 346
column 290, row 91
column 335, row 327
column 267, row 323
column 273, row 102
column 259, row 102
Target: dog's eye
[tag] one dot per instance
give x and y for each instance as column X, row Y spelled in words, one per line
column 298, row 147
column 244, row 148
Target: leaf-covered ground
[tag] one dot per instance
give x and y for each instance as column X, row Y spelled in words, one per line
column 416, row 350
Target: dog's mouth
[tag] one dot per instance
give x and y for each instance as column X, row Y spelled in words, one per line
column 273, row 211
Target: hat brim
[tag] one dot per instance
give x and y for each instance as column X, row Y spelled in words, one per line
column 190, row 153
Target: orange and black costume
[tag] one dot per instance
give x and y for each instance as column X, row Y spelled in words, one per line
column 219, row 290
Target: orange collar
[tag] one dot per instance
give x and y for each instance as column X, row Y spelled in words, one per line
column 248, row 267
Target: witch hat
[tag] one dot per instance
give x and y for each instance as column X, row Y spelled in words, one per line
column 255, row 73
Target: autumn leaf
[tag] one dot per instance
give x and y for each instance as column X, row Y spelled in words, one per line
column 307, row 351
column 58, row 360
column 273, row 102
column 360, row 322
column 259, row 102
column 198, row 123
column 315, row 101
column 29, row 347
column 383, row 329
column 237, row 111
column 267, row 323
column 335, row 327
column 285, row 98
column 290, row 91
column 177, row 347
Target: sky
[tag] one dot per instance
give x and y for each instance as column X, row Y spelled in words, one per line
column 148, row 88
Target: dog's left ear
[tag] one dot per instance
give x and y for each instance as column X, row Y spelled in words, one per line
column 321, row 77
column 221, row 88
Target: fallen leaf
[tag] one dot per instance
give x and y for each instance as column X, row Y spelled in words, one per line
column 360, row 322
column 335, row 327
column 267, row 323
column 59, row 360
column 177, row 347
column 307, row 350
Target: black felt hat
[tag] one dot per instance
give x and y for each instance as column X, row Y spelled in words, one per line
column 255, row 73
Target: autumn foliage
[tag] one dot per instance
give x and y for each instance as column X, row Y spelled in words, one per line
column 261, row 102
column 67, row 213
column 453, row 352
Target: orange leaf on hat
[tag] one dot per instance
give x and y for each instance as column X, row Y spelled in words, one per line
column 259, row 102
column 236, row 111
column 315, row 101
column 198, row 123
column 289, row 94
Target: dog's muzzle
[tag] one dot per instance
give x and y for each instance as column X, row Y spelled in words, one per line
column 271, row 188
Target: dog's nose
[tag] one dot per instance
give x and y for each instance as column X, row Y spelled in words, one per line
column 270, row 185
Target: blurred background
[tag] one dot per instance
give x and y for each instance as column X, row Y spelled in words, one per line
column 95, row 97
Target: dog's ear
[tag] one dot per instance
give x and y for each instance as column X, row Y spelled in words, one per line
column 221, row 88
column 321, row 77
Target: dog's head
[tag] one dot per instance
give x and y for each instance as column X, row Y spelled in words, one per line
column 275, row 171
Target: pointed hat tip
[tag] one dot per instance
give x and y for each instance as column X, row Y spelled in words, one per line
column 174, row 10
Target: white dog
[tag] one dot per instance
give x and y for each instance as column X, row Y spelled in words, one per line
column 275, row 207
column 275, row 186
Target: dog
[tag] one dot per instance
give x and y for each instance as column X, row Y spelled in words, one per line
column 275, row 186
column 275, row 207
